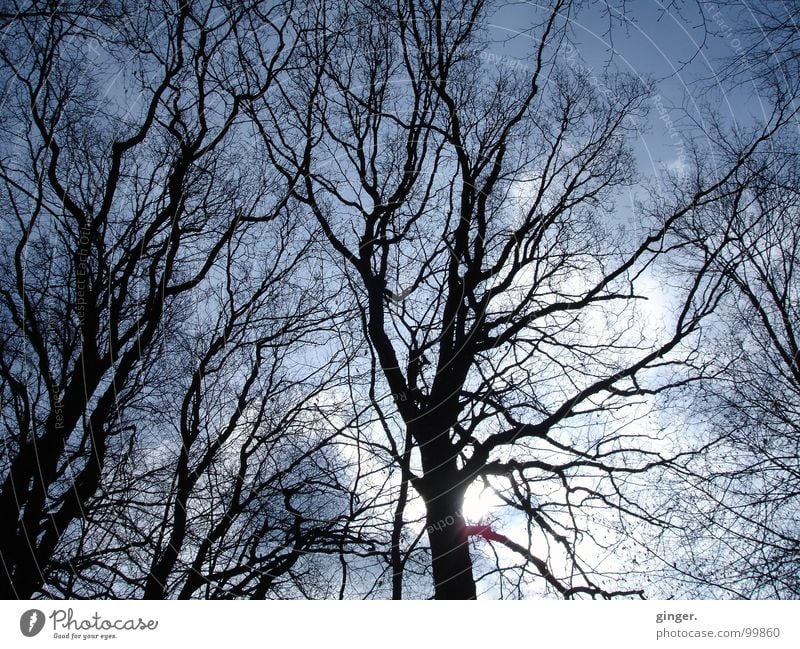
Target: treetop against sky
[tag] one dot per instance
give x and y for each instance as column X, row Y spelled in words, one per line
column 398, row 299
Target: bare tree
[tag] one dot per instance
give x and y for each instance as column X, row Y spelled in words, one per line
column 737, row 501
column 742, row 521
column 282, row 284
column 470, row 206
column 142, row 454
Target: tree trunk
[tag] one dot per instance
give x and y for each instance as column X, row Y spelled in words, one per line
column 452, row 564
column 442, row 488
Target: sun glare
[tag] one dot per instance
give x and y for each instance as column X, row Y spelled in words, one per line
column 479, row 502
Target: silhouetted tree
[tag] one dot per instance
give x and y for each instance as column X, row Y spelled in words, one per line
column 282, row 282
column 157, row 428
column 741, row 520
column 470, row 207
column 737, row 502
